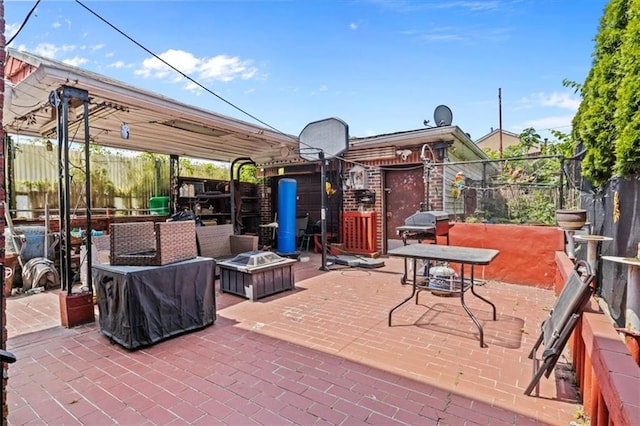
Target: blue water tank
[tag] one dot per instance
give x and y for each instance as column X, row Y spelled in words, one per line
column 287, row 215
column 34, row 245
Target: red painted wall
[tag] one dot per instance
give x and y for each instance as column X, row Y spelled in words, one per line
column 606, row 372
column 527, row 253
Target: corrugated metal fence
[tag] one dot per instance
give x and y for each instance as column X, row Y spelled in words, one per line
column 34, row 163
column 120, row 181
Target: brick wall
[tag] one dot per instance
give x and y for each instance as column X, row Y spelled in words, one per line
column 375, row 184
column 435, row 188
column 374, row 171
column 605, row 370
column 265, row 208
column 375, row 181
column 374, row 178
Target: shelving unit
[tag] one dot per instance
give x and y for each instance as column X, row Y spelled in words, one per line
column 211, row 200
column 207, row 198
column 249, row 207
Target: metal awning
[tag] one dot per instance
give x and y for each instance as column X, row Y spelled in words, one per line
column 157, row 124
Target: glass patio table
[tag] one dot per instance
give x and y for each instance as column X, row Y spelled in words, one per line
column 451, row 254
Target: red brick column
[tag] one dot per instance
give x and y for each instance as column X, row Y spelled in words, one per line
column 266, row 211
column 5, row 409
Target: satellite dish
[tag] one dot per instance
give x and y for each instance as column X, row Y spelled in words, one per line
column 443, row 116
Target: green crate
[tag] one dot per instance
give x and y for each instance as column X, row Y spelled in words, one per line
column 159, row 205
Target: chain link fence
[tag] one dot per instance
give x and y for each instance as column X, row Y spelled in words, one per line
column 524, row 190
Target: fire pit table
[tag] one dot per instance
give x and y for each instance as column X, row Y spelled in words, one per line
column 143, row 305
column 256, row 274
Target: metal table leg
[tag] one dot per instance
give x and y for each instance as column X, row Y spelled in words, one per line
column 404, row 278
column 482, row 298
column 466, row 308
column 413, row 291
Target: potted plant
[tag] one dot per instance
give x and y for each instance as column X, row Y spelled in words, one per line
column 571, row 219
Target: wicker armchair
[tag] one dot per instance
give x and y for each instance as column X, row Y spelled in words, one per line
column 152, row 243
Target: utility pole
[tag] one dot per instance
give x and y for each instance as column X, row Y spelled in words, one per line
column 500, row 117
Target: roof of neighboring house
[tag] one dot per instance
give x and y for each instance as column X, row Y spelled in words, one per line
column 385, row 145
column 495, row 132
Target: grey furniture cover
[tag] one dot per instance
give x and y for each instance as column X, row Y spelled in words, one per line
column 142, row 305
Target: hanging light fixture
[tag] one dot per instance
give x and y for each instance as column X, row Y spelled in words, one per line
column 124, row 131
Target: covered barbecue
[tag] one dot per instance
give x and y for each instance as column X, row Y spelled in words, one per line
column 425, row 225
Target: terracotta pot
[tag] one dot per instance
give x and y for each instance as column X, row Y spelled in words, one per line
column 10, row 261
column 571, row 219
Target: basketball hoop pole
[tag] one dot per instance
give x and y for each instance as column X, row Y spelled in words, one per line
column 329, row 136
column 323, row 210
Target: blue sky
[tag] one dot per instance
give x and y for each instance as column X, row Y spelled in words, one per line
column 382, row 66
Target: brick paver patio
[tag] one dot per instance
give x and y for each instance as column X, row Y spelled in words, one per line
column 321, row 354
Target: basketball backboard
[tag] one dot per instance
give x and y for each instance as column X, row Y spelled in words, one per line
column 330, row 135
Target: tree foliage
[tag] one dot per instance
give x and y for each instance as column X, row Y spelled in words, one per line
column 529, row 139
column 562, row 145
column 627, row 114
column 608, row 120
column 529, row 178
column 249, row 173
column 154, row 173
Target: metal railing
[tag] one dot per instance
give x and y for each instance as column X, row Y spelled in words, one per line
column 526, row 190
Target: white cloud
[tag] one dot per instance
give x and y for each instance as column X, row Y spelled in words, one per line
column 353, row 26
column 76, row 61
column 470, row 5
column 225, row 68
column 155, row 68
column 551, row 122
column 48, row 50
column 442, row 36
column 10, row 30
column 218, row 68
column 549, row 107
column 323, row 88
column 68, row 47
column 59, row 21
column 561, row 100
column 564, row 100
column 193, row 87
column 117, row 65
column 184, row 61
column 52, row 51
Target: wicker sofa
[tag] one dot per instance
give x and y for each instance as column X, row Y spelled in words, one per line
column 152, row 243
column 138, row 243
column 220, row 243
